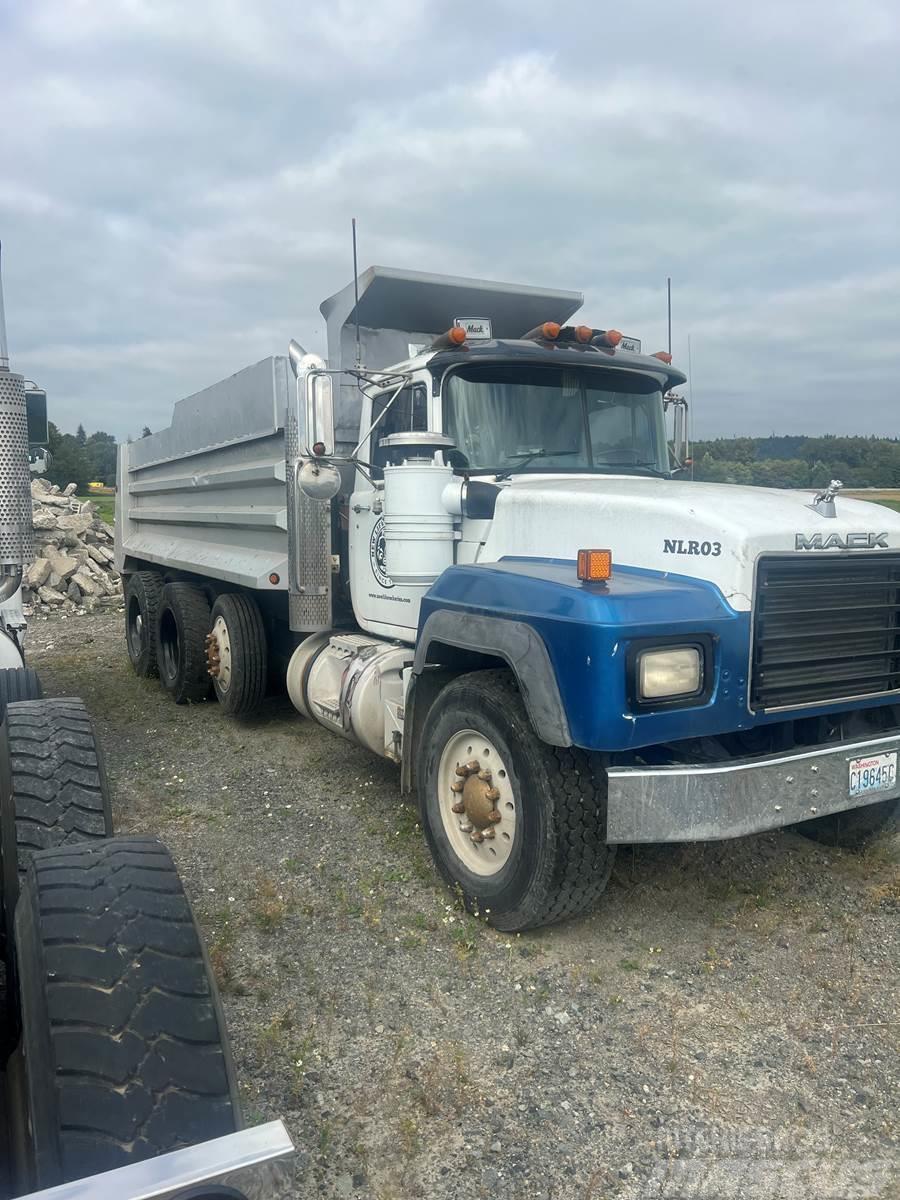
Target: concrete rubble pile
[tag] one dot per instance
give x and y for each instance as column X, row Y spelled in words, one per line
column 73, row 568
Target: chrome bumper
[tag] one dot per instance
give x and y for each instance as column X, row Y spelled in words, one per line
column 708, row 802
column 240, row 1160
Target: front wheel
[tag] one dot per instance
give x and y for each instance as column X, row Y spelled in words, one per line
column 516, row 825
column 853, row 829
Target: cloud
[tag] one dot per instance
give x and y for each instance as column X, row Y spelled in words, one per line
column 179, row 180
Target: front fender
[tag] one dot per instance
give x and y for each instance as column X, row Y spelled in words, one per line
column 519, row 645
column 570, row 641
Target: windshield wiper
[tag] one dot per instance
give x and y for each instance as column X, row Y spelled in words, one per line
column 528, row 457
column 650, row 468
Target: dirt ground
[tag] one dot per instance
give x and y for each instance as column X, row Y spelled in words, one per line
column 725, row 1025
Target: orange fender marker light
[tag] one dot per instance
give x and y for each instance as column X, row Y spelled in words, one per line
column 594, row 566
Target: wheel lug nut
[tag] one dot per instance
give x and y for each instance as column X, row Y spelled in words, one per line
column 485, row 775
column 477, row 836
column 494, row 817
column 457, row 787
column 462, row 771
column 458, row 809
column 492, row 794
column 473, row 767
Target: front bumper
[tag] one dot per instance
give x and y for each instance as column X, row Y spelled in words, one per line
column 709, row 802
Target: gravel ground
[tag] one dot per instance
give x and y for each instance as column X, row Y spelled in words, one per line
column 725, row 1025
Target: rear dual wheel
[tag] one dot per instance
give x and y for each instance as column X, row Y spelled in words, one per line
column 171, row 631
column 143, row 593
column 237, row 653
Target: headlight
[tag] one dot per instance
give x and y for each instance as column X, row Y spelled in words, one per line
column 666, row 674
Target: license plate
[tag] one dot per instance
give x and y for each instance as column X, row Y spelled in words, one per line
column 877, row 773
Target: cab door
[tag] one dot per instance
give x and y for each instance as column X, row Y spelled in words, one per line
column 379, row 605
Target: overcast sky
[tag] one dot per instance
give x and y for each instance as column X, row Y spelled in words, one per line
column 177, row 181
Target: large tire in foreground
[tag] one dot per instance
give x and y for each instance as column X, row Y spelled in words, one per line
column 123, row 1043
column 181, row 630
column 19, row 683
column 853, row 829
column 57, row 790
column 516, row 825
column 143, row 594
column 238, row 652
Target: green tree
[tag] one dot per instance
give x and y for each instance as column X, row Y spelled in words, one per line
column 100, row 453
column 80, row 435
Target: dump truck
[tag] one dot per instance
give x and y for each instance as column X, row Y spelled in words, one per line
column 116, row 1075
column 466, row 541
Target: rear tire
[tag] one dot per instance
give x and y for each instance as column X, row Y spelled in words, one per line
column 180, row 648
column 239, row 642
column 123, row 1038
column 57, row 786
column 853, row 829
column 542, row 856
column 143, row 593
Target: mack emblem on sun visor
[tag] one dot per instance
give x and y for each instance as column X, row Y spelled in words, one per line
column 837, row 541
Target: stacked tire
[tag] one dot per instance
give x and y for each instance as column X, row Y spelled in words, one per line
column 119, row 1047
column 196, row 644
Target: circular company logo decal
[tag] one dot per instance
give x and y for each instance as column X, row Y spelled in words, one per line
column 376, row 554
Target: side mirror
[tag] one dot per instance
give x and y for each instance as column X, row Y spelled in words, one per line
column 681, row 446
column 316, row 395
column 319, row 413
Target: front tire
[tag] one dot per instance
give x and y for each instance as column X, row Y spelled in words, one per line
column 124, row 1053
column 180, row 640
column 853, row 829
column 517, row 826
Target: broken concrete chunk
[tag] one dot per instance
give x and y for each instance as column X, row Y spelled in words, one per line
column 37, row 573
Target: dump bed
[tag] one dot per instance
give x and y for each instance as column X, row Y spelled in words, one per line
column 207, row 495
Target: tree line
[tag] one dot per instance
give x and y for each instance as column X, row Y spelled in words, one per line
column 799, row 462
column 82, row 458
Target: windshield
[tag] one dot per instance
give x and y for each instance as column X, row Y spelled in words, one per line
column 507, row 419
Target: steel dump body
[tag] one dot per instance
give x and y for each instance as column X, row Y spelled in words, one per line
column 207, row 495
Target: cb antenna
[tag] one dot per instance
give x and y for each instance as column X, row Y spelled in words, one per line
column 356, row 295
column 669, row 308
column 4, row 348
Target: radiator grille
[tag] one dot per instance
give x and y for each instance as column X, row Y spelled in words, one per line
column 825, row 628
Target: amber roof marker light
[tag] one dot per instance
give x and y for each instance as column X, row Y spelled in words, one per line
column 607, row 337
column 663, row 356
column 548, row 332
column 594, row 566
column 451, row 340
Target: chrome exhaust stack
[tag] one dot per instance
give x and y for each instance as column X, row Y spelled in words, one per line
column 16, row 533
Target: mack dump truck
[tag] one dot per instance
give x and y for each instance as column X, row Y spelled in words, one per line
column 462, row 542
column 116, row 1079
